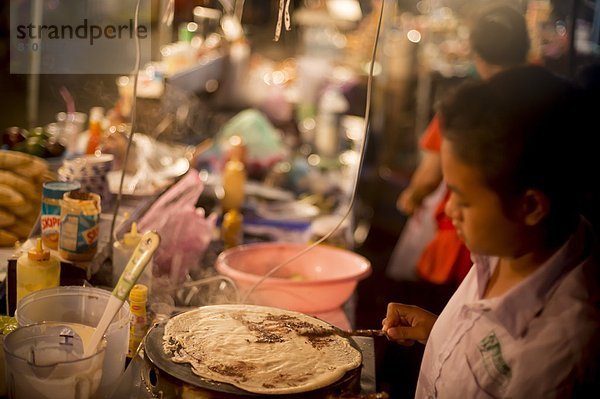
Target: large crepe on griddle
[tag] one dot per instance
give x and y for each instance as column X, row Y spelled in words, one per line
column 259, row 349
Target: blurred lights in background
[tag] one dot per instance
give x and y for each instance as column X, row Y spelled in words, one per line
column 414, row 35
column 348, row 10
column 276, row 77
column 313, row 159
column 350, row 158
column 376, row 68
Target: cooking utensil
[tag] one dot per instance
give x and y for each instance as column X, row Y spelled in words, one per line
column 324, row 332
column 140, row 258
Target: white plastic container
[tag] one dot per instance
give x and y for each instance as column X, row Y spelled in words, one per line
column 83, row 305
column 40, row 365
column 123, row 251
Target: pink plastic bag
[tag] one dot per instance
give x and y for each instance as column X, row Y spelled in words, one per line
column 185, row 231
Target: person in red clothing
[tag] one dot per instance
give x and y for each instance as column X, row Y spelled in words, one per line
column 499, row 40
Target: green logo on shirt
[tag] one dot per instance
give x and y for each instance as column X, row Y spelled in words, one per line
column 496, row 366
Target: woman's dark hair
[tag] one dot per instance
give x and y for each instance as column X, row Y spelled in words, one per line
column 523, row 128
column 499, row 35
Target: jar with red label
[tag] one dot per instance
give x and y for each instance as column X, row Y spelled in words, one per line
column 52, row 193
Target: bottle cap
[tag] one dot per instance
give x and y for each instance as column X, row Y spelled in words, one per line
column 38, row 253
column 57, row 189
column 132, row 238
column 139, row 293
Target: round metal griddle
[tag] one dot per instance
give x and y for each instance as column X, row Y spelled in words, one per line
column 153, row 350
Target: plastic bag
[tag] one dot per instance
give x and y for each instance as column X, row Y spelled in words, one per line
column 417, row 233
column 185, row 230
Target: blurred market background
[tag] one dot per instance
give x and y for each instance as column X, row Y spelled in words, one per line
column 305, row 94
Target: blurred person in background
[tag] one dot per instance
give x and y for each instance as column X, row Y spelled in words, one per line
column 525, row 322
column 499, row 40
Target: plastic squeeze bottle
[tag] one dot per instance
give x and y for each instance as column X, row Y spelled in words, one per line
column 138, row 327
column 122, row 252
column 232, row 228
column 95, row 126
column 234, row 177
column 37, row 269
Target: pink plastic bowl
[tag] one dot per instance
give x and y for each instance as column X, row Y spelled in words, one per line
column 322, row 279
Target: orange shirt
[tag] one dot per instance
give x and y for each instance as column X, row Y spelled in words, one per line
column 432, row 137
column 446, row 259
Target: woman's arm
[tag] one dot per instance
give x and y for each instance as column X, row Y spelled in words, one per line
column 426, row 178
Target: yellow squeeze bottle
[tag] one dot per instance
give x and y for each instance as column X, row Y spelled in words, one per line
column 139, row 319
column 37, row 269
column 232, row 229
column 234, row 177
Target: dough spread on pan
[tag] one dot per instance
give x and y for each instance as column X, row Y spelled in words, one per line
column 259, row 349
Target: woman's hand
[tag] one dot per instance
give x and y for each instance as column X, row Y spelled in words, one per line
column 408, row 202
column 405, row 324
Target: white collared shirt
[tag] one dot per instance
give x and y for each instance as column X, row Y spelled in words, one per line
column 540, row 339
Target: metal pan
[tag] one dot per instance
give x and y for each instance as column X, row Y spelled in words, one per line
column 159, row 365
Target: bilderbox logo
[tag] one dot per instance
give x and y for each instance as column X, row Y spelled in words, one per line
column 78, row 36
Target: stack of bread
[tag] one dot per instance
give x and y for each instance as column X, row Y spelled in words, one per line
column 21, row 180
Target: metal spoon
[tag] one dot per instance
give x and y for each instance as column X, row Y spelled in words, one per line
column 324, row 332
